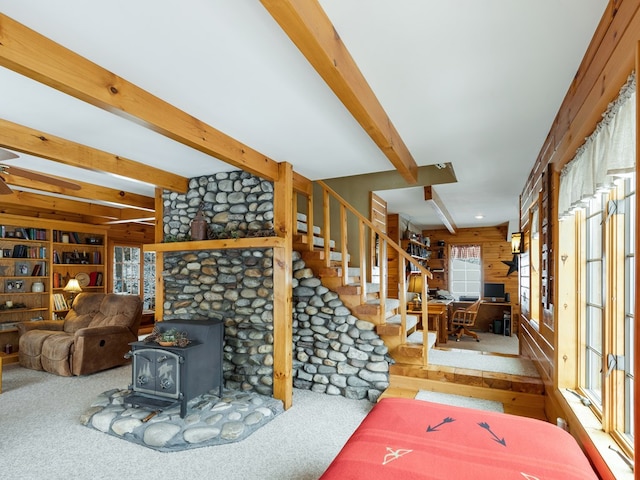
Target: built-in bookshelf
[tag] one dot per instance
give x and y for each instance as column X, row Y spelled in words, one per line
column 38, row 257
column 78, row 254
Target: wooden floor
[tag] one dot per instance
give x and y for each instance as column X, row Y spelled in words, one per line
column 523, row 396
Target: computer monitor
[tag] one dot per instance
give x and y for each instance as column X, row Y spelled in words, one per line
column 494, row 291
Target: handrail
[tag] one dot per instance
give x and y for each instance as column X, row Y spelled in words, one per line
column 385, row 243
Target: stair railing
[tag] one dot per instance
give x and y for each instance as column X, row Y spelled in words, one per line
column 385, row 243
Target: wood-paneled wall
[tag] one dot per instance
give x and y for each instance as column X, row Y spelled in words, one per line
column 494, row 250
column 609, row 60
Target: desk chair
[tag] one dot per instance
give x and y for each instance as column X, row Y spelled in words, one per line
column 463, row 318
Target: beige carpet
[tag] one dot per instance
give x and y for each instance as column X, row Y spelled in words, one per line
column 42, row 437
column 489, row 342
column 459, row 401
column 510, row 364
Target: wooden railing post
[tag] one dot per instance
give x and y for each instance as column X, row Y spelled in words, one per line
column 385, row 242
column 310, row 223
column 343, row 245
column 326, row 227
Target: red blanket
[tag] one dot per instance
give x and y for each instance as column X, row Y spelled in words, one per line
column 413, row 439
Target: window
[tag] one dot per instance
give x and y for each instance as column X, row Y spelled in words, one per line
column 629, row 228
column 594, row 305
column 597, row 203
column 126, row 270
column 607, row 317
column 465, row 270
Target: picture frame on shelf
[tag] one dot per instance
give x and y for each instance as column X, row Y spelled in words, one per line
column 14, row 286
column 22, row 269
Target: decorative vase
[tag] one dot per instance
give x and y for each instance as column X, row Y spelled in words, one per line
column 199, row 226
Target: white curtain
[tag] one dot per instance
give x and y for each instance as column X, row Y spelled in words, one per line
column 609, row 152
column 464, row 252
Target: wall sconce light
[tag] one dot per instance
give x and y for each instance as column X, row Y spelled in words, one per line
column 516, row 243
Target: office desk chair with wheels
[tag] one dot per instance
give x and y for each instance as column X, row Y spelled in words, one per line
column 463, row 318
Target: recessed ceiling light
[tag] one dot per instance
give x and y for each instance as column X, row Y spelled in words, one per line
column 479, row 217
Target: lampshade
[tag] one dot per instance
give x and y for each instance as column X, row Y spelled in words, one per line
column 415, row 283
column 72, row 286
column 415, row 286
column 516, row 243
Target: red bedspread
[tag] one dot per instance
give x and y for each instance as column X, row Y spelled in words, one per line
column 413, row 439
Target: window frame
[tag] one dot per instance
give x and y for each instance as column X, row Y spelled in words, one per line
column 615, row 223
column 140, row 276
column 466, row 272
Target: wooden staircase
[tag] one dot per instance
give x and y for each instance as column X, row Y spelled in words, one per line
column 404, row 341
column 407, row 345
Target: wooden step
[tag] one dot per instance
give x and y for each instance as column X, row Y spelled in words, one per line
column 373, row 289
column 525, row 405
column 393, row 325
column 303, row 239
column 469, row 377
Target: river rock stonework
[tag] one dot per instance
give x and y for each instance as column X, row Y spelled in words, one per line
column 210, row 420
column 334, row 352
column 235, row 204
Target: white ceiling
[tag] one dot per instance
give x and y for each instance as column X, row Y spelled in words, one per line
column 473, row 83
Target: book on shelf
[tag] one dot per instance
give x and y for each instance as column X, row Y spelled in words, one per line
column 19, row 251
column 95, row 279
column 57, row 280
column 59, row 302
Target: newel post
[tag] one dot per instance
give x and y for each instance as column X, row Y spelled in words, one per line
column 283, row 287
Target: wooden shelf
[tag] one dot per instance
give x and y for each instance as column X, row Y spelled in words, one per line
column 42, row 243
column 226, row 244
column 21, row 310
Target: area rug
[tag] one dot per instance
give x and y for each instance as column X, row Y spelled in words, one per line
column 459, row 401
column 210, row 419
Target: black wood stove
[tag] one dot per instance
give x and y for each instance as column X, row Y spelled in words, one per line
column 165, row 376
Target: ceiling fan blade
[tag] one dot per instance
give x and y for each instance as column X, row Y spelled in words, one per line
column 7, row 155
column 38, row 177
column 4, row 188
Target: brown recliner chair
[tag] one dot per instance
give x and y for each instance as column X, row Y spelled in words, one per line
column 94, row 336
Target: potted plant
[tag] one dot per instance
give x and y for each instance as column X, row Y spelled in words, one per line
column 168, row 338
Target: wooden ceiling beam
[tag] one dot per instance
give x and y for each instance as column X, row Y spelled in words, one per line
column 44, row 145
column 31, row 54
column 307, row 25
column 55, row 204
column 87, row 191
column 44, row 213
column 443, row 214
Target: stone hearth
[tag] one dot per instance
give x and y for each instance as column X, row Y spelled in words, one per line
column 210, row 420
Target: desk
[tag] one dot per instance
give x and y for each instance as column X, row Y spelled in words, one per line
column 438, row 313
column 488, row 312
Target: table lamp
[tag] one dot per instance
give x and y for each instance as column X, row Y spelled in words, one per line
column 74, row 288
column 415, row 286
